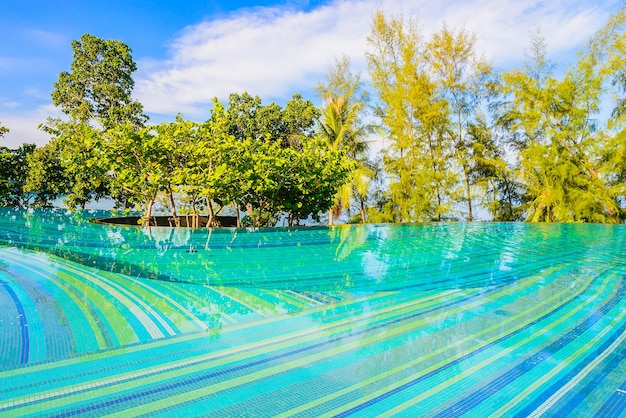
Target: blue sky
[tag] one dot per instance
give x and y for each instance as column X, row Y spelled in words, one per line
column 190, row 51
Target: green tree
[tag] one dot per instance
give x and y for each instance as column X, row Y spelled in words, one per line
column 3, row 130
column 300, row 183
column 98, row 87
column 264, row 169
column 79, row 149
column 96, row 96
column 206, row 163
column 315, row 176
column 551, row 122
column 141, row 163
column 298, row 121
column 13, row 176
column 419, row 160
column 46, row 177
column 608, row 49
column 249, row 118
column 174, row 140
column 462, row 79
column 342, row 127
column 491, row 173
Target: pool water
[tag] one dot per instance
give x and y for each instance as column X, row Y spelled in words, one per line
column 501, row 319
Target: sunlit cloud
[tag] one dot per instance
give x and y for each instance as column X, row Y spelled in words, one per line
column 274, row 52
column 37, row 92
column 23, row 128
column 503, row 27
column 267, row 52
column 8, row 104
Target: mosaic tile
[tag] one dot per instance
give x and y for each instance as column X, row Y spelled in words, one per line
column 411, row 320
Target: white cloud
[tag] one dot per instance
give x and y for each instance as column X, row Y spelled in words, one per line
column 23, row 127
column 503, row 27
column 8, row 104
column 267, row 52
column 48, row 39
column 274, row 52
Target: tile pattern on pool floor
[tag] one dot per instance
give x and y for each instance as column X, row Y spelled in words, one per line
column 98, row 343
column 374, row 320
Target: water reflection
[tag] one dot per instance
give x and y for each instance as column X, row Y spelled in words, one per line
column 414, row 317
column 355, row 258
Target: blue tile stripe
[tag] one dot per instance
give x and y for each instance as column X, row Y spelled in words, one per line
column 408, row 320
column 615, row 405
column 239, row 368
column 23, row 323
column 474, row 399
column 408, row 385
column 595, row 381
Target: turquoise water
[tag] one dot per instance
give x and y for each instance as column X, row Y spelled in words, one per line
column 373, row 320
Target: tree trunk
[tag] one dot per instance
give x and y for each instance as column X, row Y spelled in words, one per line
column 469, row 193
column 237, row 214
column 362, row 210
column 145, row 219
column 173, row 205
column 438, row 205
column 510, row 200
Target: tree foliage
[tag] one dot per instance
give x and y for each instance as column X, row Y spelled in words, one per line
column 98, row 87
column 418, row 161
column 547, row 157
column 211, row 167
column 78, row 149
column 46, row 178
column 530, row 143
column 464, row 80
column 13, row 176
column 341, row 127
column 249, row 118
column 96, row 97
column 552, row 124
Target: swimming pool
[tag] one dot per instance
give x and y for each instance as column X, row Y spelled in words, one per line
column 387, row 320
